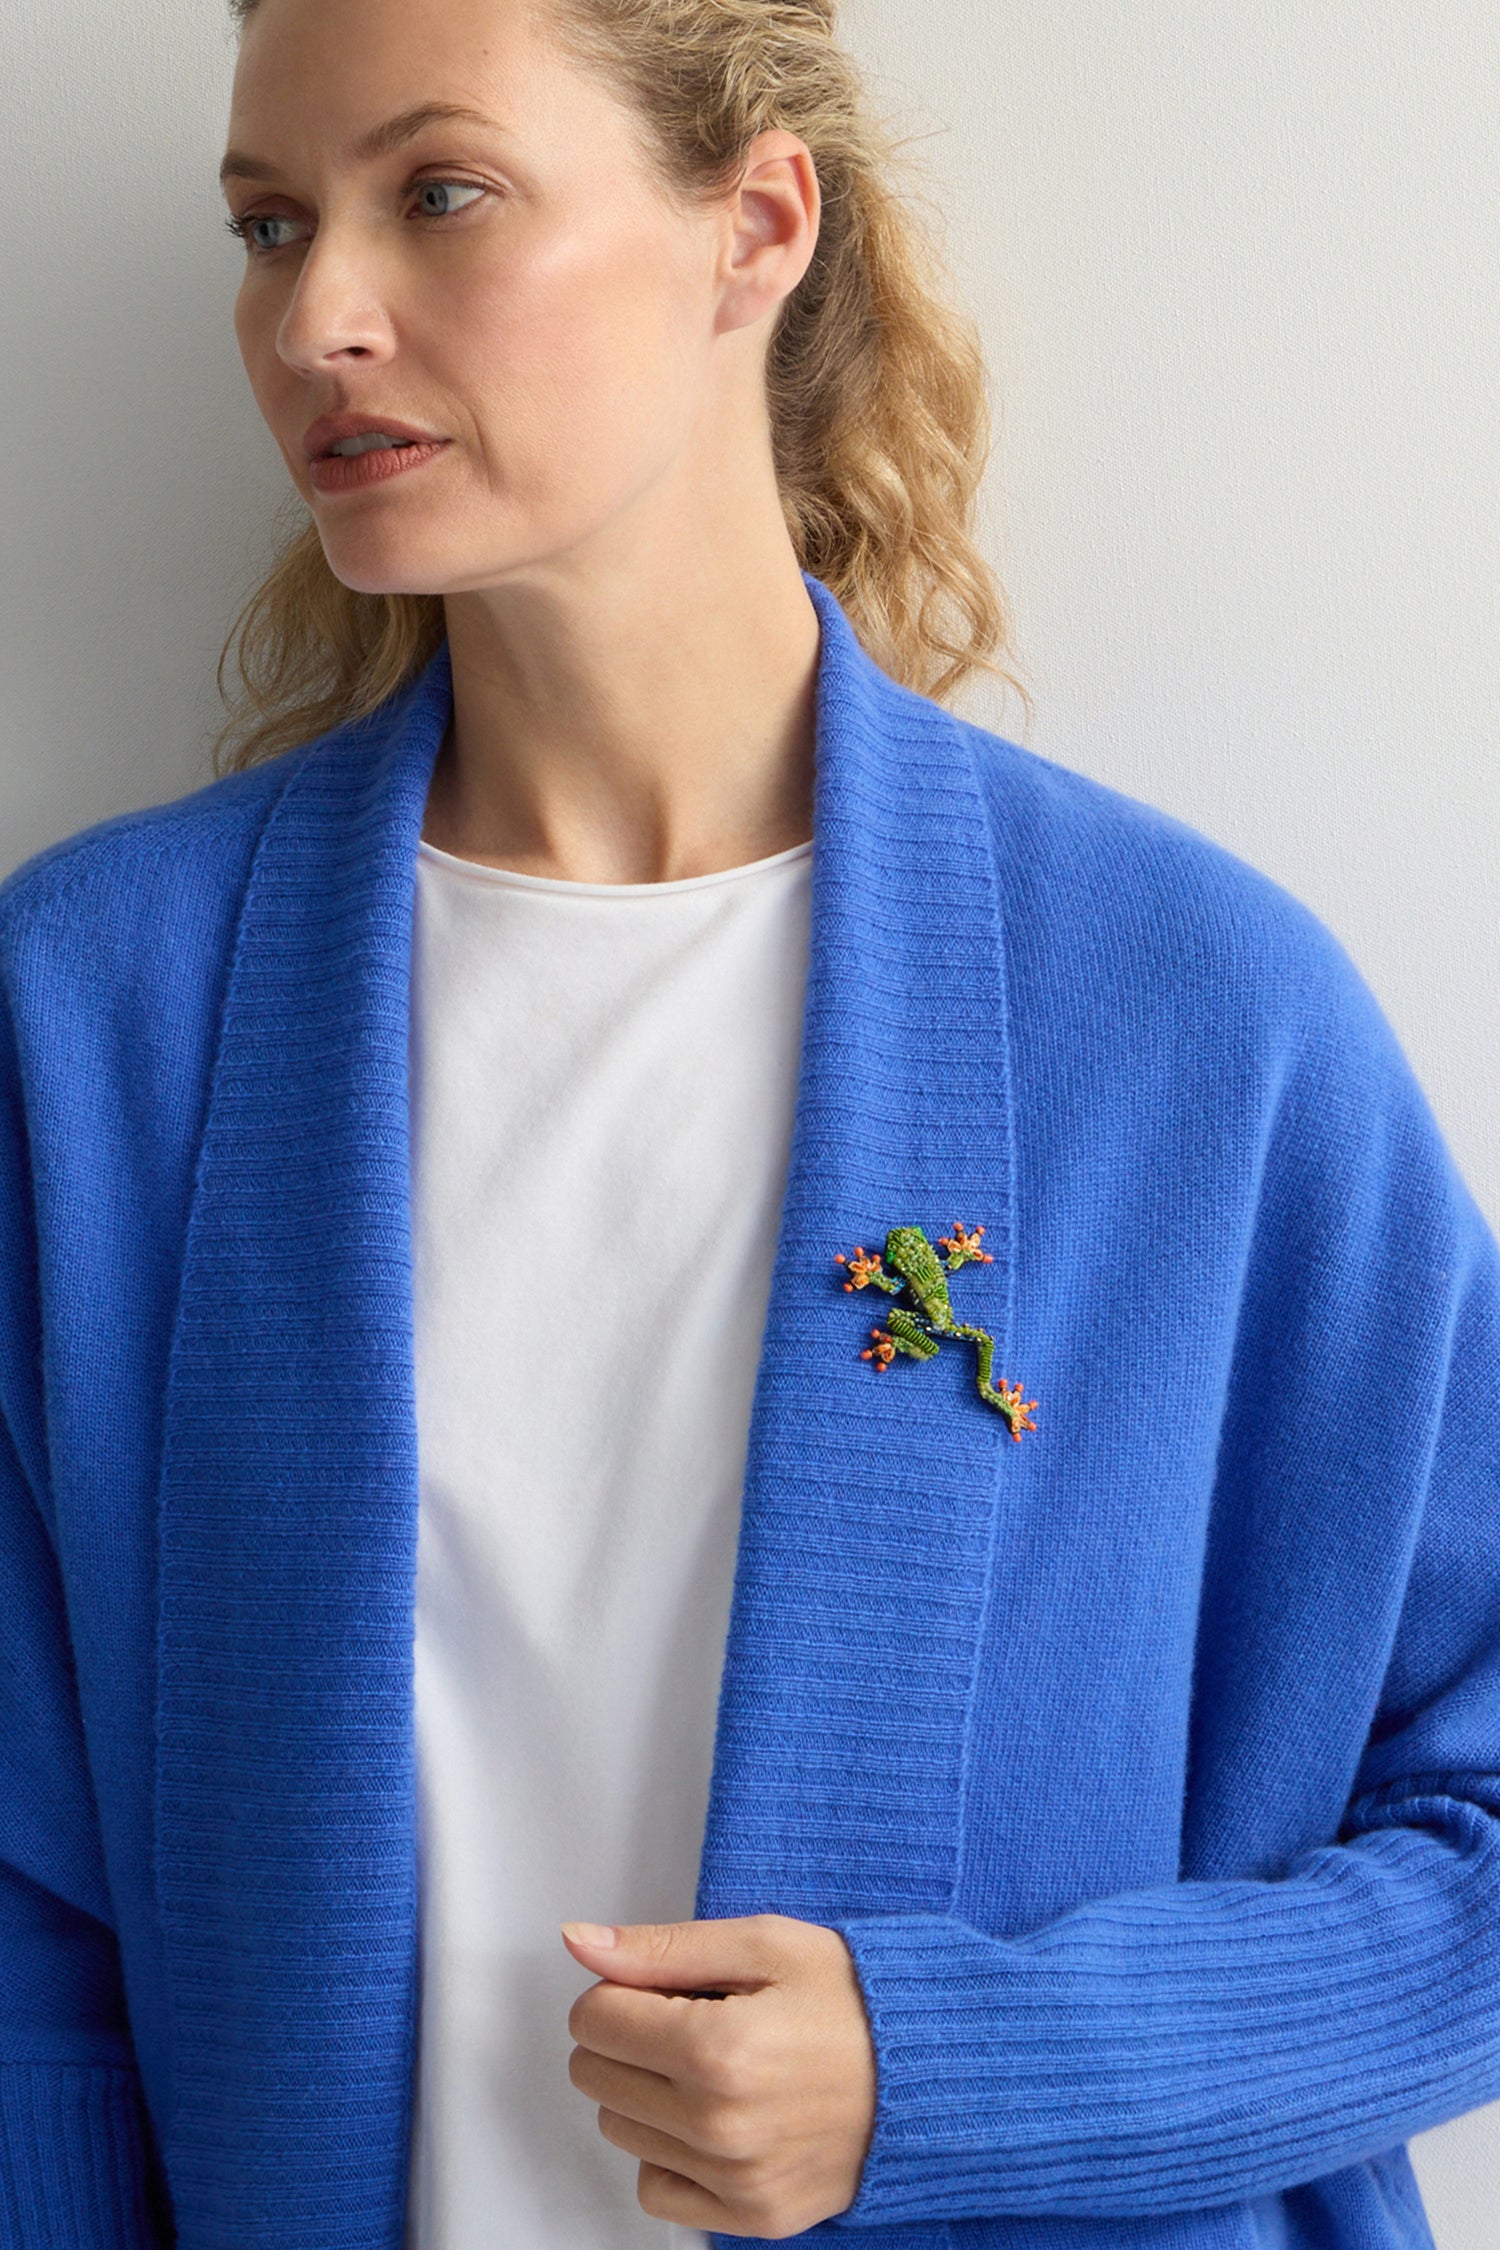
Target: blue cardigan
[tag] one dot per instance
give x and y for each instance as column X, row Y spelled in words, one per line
column 1150, row 1766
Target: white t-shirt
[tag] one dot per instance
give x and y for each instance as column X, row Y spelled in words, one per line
column 603, row 1082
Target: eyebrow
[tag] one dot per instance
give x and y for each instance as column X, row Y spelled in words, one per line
column 382, row 140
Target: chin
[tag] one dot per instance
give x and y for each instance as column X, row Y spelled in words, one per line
column 391, row 557
column 385, row 582
column 395, row 558
column 390, row 566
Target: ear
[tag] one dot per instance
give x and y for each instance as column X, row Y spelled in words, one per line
column 772, row 230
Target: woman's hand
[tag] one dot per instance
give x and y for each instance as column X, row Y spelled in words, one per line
column 734, row 2059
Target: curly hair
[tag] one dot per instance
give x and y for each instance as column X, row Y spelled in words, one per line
column 876, row 383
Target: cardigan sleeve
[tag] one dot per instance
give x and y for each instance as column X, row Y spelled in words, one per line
column 1207, row 2041
column 74, row 2141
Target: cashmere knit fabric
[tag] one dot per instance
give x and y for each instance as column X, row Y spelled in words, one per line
column 1150, row 1767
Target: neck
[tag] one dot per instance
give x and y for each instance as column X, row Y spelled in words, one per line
column 634, row 720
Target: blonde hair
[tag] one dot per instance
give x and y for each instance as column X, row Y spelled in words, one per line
column 876, row 384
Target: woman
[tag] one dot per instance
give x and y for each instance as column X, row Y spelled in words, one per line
column 1038, row 1740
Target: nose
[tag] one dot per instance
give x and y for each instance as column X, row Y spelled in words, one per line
column 336, row 312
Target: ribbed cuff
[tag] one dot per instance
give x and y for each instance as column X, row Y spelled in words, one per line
column 1008, row 2084
column 913, row 1971
column 73, row 2161
column 1190, row 2046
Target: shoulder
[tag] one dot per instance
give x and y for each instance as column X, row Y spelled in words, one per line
column 116, row 943
column 1168, row 996
column 1142, row 910
column 186, row 850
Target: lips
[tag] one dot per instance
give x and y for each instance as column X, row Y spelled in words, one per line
column 324, row 434
column 374, row 466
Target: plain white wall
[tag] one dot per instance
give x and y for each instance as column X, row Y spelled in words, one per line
column 1235, row 268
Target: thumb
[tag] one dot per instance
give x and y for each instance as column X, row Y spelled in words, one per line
column 729, row 1955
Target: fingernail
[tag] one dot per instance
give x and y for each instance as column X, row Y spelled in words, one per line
column 589, row 1933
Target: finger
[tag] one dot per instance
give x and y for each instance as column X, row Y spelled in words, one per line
column 672, row 2155
column 643, row 2096
column 667, row 2195
column 673, row 2033
column 735, row 1953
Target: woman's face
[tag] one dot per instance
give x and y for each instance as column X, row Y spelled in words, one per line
column 515, row 284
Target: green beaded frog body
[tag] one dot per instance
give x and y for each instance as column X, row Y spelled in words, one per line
column 916, row 1327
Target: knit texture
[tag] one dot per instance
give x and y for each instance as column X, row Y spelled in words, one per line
column 1149, row 1767
column 73, row 2158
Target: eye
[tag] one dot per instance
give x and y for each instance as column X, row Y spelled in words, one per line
column 244, row 229
column 428, row 193
column 446, row 187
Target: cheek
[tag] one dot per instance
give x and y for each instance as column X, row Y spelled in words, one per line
column 271, row 382
column 583, row 369
column 246, row 338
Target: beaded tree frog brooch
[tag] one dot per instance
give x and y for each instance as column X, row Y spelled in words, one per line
column 915, row 1327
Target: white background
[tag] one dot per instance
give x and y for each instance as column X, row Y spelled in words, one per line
column 1236, row 271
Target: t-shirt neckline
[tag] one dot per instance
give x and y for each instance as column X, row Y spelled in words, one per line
column 511, row 878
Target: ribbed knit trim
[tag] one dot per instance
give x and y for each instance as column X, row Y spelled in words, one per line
column 1162, row 2051
column 73, row 2162
column 286, row 1861
column 903, row 1117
